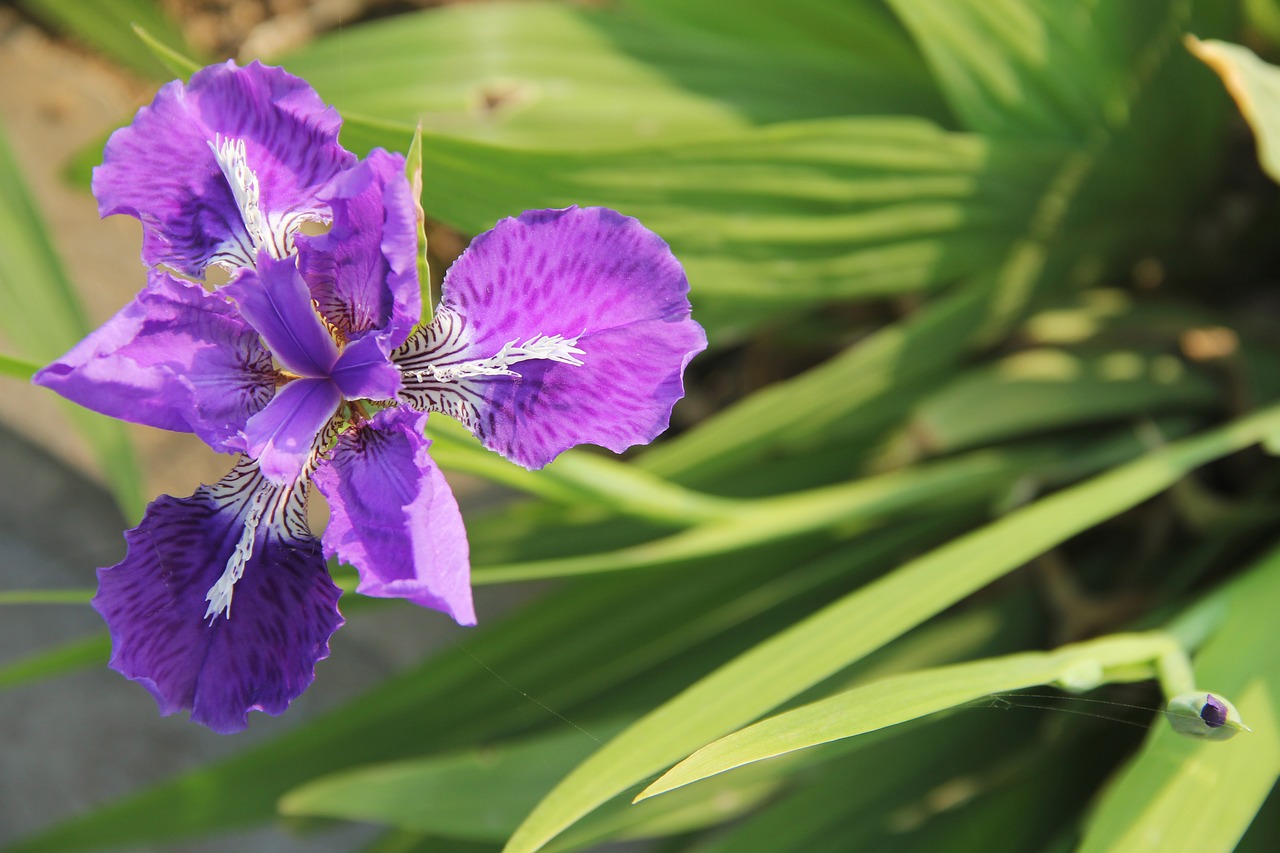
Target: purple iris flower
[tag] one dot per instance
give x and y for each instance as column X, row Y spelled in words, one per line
column 556, row 328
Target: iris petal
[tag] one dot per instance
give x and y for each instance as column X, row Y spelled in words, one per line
column 596, row 289
column 394, row 518
column 275, row 300
column 176, row 357
column 162, row 170
column 285, row 605
column 363, row 272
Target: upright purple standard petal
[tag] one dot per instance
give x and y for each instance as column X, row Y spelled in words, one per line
column 394, row 518
column 363, row 272
column 176, row 357
column 557, row 328
column 276, row 302
column 262, row 653
column 162, row 169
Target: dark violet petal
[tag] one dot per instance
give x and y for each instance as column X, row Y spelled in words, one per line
column 282, row 436
column 363, row 272
column 394, row 518
column 161, row 170
column 176, row 357
column 276, row 302
column 1214, row 713
column 284, row 607
column 364, row 371
column 590, row 276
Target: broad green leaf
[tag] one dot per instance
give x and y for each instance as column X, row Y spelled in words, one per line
column 1085, row 209
column 1255, row 86
column 898, row 699
column 775, row 218
column 848, row 629
column 109, row 27
column 562, row 76
column 862, row 28
column 42, row 319
column 1044, row 68
column 1204, row 794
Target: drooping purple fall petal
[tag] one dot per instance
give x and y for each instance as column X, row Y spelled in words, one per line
column 162, row 170
column 258, row 656
column 363, row 272
column 177, row 358
column 598, row 295
column 394, row 518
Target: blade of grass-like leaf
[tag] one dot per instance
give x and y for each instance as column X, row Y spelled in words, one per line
column 566, row 77
column 821, row 645
column 1255, row 86
column 68, row 657
column 178, row 63
column 1047, row 389
column 491, row 686
column 479, row 794
column 42, row 319
column 582, row 478
column 858, row 505
column 18, row 368
column 835, row 805
column 413, row 169
column 898, row 699
column 45, row 596
column 109, row 27
column 1203, row 795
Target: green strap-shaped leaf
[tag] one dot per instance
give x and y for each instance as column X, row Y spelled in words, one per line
column 1202, row 795
column 109, row 27
column 489, row 686
column 842, row 633
column 68, row 657
column 42, row 319
column 898, row 699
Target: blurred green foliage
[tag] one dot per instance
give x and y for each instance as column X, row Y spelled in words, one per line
column 976, row 328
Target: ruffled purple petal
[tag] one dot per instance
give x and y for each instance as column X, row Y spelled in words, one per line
column 276, row 302
column 394, row 518
column 176, row 357
column 263, row 654
column 591, row 278
column 363, row 272
column 162, row 171
column 282, row 436
column 364, row 371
